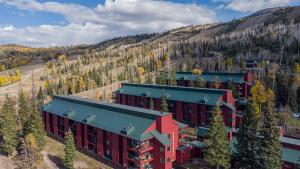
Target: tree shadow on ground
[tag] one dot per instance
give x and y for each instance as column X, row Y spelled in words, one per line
column 57, row 161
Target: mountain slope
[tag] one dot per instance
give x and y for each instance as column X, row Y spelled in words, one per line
column 265, row 31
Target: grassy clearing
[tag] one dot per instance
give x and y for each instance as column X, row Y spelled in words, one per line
column 56, row 154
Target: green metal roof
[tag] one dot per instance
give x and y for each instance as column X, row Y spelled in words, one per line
column 185, row 94
column 124, row 120
column 202, row 131
column 162, row 138
column 290, row 141
column 288, row 155
column 226, row 104
column 212, row 76
column 181, row 125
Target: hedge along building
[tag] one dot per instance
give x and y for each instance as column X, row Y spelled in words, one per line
column 193, row 106
column 222, row 80
column 123, row 136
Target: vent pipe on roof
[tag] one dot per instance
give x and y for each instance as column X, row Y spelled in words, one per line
column 127, row 129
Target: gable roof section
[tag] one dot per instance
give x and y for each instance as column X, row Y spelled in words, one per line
column 175, row 93
column 212, row 76
column 124, row 120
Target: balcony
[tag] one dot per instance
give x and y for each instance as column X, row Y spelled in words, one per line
column 140, row 148
column 148, row 166
column 140, row 160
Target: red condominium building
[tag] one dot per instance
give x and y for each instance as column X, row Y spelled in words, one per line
column 222, row 80
column 193, row 106
column 122, row 136
column 243, row 81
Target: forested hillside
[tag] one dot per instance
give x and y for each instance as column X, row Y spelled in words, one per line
column 270, row 37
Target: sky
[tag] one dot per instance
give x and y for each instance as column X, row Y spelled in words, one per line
column 41, row 23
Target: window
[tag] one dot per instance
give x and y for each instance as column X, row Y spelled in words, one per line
column 168, row 160
column 138, row 102
column 169, row 148
column 61, row 127
column 128, row 100
column 171, row 106
column 199, row 116
column 92, row 139
column 162, row 160
column 208, row 117
column 169, row 136
column 161, row 149
column 107, row 142
column 187, row 112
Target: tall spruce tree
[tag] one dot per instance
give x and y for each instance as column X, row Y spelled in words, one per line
column 270, row 145
column 247, row 142
column 69, row 150
column 35, row 125
column 172, row 79
column 164, row 104
column 189, row 65
column 40, row 98
column 23, row 108
column 200, row 82
column 149, row 79
column 161, row 79
column 8, row 132
column 235, row 92
column 27, row 152
column 217, row 150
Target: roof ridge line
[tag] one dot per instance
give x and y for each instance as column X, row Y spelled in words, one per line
column 175, row 87
column 124, row 109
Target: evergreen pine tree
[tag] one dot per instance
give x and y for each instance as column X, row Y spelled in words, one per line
column 172, row 79
column 149, row 79
column 69, row 150
column 247, row 146
column 27, row 152
column 164, row 104
column 270, row 145
column 40, row 98
column 247, row 142
column 200, row 82
column 23, row 108
column 293, row 99
column 23, row 157
column 189, row 65
column 161, row 79
column 8, row 133
column 217, row 151
column 35, row 125
column 235, row 92
column 50, row 90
